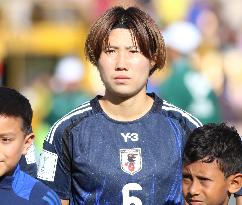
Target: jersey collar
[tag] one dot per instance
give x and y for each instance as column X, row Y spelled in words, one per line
column 7, row 181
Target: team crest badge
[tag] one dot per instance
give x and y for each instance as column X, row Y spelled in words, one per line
column 131, row 160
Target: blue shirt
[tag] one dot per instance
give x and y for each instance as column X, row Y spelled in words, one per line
column 28, row 163
column 30, row 169
column 21, row 189
column 90, row 158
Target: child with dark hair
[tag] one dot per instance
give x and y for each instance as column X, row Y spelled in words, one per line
column 13, row 104
column 212, row 165
column 16, row 137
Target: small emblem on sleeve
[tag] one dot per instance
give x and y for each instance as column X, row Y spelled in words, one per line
column 30, row 156
column 131, row 160
column 47, row 165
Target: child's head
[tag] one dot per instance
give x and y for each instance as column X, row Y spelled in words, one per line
column 15, row 128
column 212, row 165
column 143, row 29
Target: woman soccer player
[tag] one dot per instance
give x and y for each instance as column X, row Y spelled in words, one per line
column 124, row 147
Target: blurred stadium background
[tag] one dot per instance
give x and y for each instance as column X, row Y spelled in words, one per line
column 42, row 41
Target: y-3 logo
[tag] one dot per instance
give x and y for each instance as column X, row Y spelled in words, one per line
column 132, row 136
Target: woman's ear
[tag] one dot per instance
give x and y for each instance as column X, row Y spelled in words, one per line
column 28, row 141
column 152, row 62
column 235, row 183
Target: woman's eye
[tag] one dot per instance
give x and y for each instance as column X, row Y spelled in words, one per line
column 109, row 51
column 134, row 51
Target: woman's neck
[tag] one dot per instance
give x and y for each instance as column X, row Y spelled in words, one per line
column 126, row 108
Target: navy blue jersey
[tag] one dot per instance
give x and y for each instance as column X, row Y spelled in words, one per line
column 90, row 158
column 239, row 193
column 28, row 162
column 22, row 189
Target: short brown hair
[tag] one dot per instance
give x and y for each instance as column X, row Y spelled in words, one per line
column 142, row 27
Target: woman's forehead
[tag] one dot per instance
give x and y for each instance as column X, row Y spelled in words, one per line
column 121, row 36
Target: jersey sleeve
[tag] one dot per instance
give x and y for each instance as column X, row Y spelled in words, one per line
column 43, row 195
column 55, row 161
column 187, row 121
column 239, row 193
column 28, row 162
column 190, row 123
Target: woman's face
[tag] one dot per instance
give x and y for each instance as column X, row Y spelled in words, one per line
column 123, row 68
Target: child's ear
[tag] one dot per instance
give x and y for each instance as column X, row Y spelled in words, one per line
column 235, row 183
column 28, row 141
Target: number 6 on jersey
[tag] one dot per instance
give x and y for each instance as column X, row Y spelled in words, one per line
column 128, row 200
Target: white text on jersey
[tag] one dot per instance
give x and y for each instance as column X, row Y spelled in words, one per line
column 132, row 136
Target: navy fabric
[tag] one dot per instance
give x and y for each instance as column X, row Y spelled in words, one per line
column 107, row 162
column 239, row 193
column 22, row 189
column 30, row 169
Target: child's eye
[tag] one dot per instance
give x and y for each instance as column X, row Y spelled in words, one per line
column 204, row 181
column 202, row 178
column 6, row 140
column 186, row 177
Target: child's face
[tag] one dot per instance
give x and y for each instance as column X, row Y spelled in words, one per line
column 204, row 184
column 13, row 143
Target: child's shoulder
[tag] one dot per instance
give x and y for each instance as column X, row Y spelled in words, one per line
column 44, row 193
column 29, row 188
